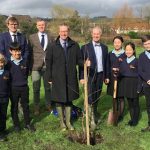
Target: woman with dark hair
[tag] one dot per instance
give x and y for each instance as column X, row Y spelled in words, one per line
column 129, row 78
column 115, row 57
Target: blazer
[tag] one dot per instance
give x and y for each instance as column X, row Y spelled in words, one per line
column 5, row 40
column 89, row 53
column 37, row 53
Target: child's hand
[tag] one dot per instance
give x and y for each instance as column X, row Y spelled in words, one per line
column 148, row 82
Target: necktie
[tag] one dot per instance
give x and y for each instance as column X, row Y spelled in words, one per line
column 65, row 48
column 15, row 37
column 42, row 41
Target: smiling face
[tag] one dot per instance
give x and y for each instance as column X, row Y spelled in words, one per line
column 129, row 51
column 63, row 32
column 96, row 34
column 12, row 26
column 117, row 44
column 41, row 26
column 147, row 45
column 16, row 54
column 2, row 64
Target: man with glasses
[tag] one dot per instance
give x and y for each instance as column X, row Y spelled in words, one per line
column 12, row 35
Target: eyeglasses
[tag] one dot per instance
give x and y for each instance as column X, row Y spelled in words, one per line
column 13, row 24
column 146, row 44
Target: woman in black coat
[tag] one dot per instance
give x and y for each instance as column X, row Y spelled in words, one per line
column 62, row 59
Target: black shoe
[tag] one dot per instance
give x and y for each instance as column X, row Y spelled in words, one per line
column 147, row 129
column 120, row 118
column 30, row 127
column 17, row 129
column 3, row 138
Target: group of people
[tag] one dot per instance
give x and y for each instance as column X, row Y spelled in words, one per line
column 56, row 62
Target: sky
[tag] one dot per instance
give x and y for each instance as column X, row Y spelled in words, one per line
column 42, row 8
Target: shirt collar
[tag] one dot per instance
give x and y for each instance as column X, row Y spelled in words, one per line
column 17, row 62
column 95, row 43
column 118, row 53
column 12, row 33
column 1, row 71
column 130, row 59
column 147, row 54
column 41, row 33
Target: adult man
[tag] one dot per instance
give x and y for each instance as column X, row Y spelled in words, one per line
column 96, row 53
column 61, row 60
column 12, row 35
column 38, row 45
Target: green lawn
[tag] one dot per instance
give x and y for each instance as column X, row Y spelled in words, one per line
column 49, row 137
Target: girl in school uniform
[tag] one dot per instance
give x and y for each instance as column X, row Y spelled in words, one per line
column 144, row 72
column 4, row 96
column 115, row 57
column 129, row 74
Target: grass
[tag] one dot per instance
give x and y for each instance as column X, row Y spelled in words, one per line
column 49, row 137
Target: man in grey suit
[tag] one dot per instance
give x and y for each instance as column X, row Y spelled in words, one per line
column 39, row 43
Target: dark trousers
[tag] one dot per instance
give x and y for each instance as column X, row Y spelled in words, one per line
column 36, row 80
column 95, row 84
column 20, row 94
column 147, row 96
column 3, row 114
column 134, row 109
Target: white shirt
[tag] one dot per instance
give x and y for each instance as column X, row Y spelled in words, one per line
column 12, row 35
column 99, row 56
column 45, row 39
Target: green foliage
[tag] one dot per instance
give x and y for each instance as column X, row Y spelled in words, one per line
column 133, row 35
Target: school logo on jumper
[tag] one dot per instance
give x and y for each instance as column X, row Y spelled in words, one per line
column 120, row 60
column 23, row 67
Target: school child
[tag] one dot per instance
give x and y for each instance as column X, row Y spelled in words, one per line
column 4, row 96
column 129, row 76
column 19, row 87
column 144, row 72
column 115, row 57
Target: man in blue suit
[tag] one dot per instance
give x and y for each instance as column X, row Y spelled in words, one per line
column 96, row 53
column 12, row 35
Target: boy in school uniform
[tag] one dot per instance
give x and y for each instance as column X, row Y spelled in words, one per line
column 19, row 87
column 4, row 96
column 144, row 72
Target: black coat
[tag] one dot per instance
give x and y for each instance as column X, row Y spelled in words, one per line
column 62, row 73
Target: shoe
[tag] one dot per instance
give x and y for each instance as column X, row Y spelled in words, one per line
column 30, row 127
column 129, row 123
column 147, row 129
column 17, row 129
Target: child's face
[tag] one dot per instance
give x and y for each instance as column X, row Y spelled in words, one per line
column 147, row 45
column 117, row 44
column 1, row 65
column 16, row 54
column 129, row 51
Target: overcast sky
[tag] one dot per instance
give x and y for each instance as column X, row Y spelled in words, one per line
column 42, row 8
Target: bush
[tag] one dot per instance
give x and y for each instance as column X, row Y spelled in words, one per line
column 133, row 35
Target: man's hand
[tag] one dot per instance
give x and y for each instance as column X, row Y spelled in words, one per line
column 82, row 81
column 106, row 81
column 148, row 82
column 50, row 82
column 88, row 63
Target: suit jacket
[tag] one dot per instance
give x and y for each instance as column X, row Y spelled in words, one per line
column 5, row 40
column 37, row 53
column 89, row 53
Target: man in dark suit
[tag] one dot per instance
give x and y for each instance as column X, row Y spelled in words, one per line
column 96, row 53
column 38, row 43
column 62, row 59
column 12, row 35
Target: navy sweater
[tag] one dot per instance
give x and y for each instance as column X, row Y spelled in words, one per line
column 4, row 84
column 144, row 68
column 129, row 69
column 19, row 74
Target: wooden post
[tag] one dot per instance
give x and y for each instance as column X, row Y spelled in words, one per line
column 86, row 104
